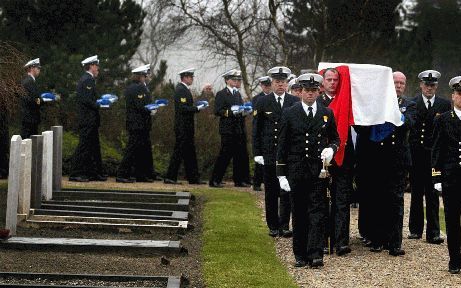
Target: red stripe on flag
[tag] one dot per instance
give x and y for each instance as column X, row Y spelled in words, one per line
column 342, row 109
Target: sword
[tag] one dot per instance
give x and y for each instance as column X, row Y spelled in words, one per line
column 324, row 174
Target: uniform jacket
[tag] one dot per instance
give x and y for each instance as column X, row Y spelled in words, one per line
column 31, row 101
column 229, row 124
column 393, row 151
column 137, row 116
column 301, row 141
column 421, row 132
column 446, row 149
column 266, row 126
column 184, row 111
column 324, row 100
column 256, row 97
column 88, row 109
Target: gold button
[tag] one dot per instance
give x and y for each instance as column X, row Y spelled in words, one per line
column 422, row 142
column 307, row 141
column 275, row 129
column 275, row 137
column 307, row 134
column 424, row 124
column 275, row 122
column 422, row 136
column 307, row 155
column 275, row 144
column 319, row 135
column 393, row 143
column 307, row 148
column 382, row 143
column 422, row 130
column 318, row 142
column 393, row 136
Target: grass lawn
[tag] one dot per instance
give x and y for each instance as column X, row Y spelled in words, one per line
column 237, row 252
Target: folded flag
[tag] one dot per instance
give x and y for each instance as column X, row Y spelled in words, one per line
column 49, row 96
column 111, row 97
column 161, row 102
column 366, row 96
column 202, row 102
column 152, row 106
column 248, row 106
column 106, row 100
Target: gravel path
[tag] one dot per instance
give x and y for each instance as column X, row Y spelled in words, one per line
column 424, row 265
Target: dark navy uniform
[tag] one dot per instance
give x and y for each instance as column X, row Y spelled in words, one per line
column 184, row 148
column 301, row 142
column 258, row 176
column 267, row 121
column 446, row 164
column 341, row 189
column 420, row 174
column 383, row 170
column 87, row 160
column 233, row 139
column 30, row 108
column 138, row 153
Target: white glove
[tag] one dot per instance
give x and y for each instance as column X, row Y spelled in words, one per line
column 438, row 187
column 153, row 112
column 259, row 160
column 284, row 185
column 327, row 154
column 201, row 107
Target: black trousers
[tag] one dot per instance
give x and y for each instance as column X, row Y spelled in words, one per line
column 451, row 195
column 184, row 149
column 276, row 217
column 138, row 156
column 232, row 147
column 422, row 187
column 338, row 221
column 307, row 196
column 87, row 160
column 28, row 129
column 258, row 176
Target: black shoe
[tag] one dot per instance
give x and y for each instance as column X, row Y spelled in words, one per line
column 257, row 188
column 79, row 179
column 144, row 179
column 169, row 181
column 273, row 232
column 98, row 178
column 124, row 180
column 435, row 240
column 343, row 250
column 300, row 263
column 376, row 248
column 326, row 251
column 286, row 233
column 242, row 184
column 197, row 182
column 367, row 243
column 414, row 236
column 215, row 184
column 453, row 269
column 316, row 263
column 396, row 252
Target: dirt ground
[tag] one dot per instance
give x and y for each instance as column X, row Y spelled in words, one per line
column 111, row 263
column 424, row 265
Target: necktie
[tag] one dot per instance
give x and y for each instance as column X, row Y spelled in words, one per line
column 279, row 100
column 310, row 115
column 234, row 92
column 429, row 105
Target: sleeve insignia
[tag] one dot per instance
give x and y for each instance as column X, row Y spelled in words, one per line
column 435, row 173
column 140, row 96
column 37, row 101
column 325, row 118
column 183, row 100
column 255, row 113
column 268, row 112
column 88, row 87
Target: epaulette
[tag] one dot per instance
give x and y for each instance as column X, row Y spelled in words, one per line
column 436, row 173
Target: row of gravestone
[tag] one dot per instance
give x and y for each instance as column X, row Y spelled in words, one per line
column 35, row 171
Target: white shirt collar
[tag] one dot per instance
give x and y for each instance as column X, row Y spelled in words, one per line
column 187, row 86
column 31, row 76
column 458, row 112
column 90, row 73
column 231, row 90
column 277, row 96
column 431, row 100
column 306, row 108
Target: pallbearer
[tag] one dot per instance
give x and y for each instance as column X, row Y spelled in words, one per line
column 308, row 135
column 446, row 169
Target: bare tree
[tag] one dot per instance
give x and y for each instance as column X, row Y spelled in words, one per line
column 229, row 29
column 163, row 28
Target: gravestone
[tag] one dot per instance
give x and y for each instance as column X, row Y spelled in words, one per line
column 25, row 178
column 11, row 196
column 47, row 165
column 37, row 157
column 57, row 157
